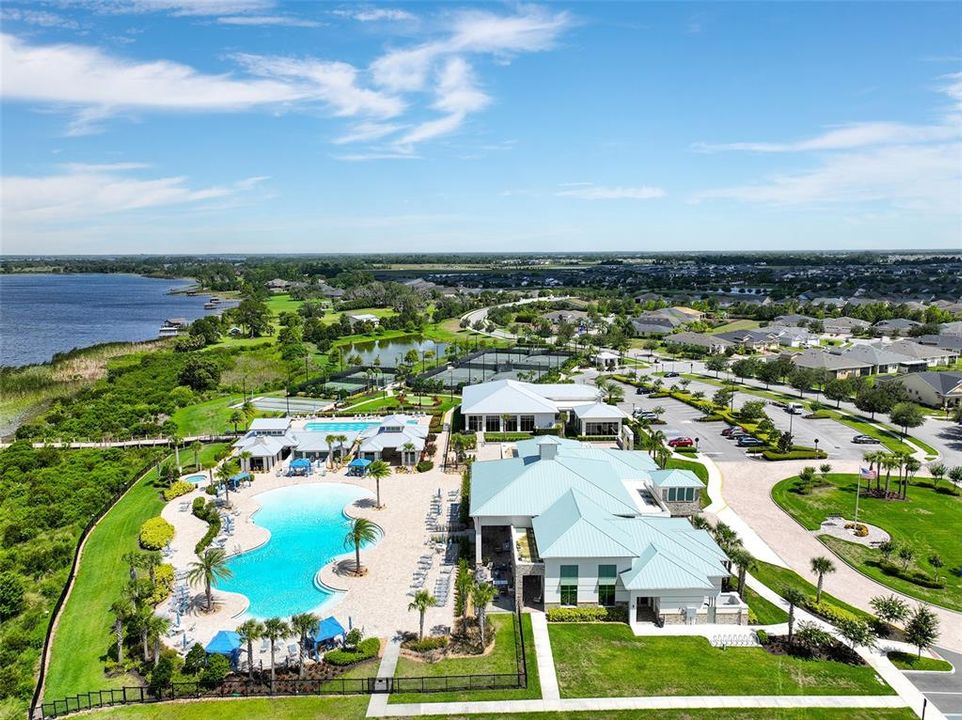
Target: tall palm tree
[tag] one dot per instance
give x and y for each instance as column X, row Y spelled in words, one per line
column 157, row 627
column 362, row 531
column 245, row 459
column 235, row 419
column 794, row 597
column 821, row 566
column 330, row 439
column 249, row 631
column 422, row 601
column 275, row 629
column 210, row 566
column 409, row 448
column 341, row 439
column 463, row 582
column 150, row 561
column 889, row 461
column 301, row 625
column 176, row 440
column 656, row 441
column 143, row 620
column 744, row 560
column 122, row 610
column 196, row 447
column 481, row 594
column 872, row 458
column 378, row 470
column 224, row 474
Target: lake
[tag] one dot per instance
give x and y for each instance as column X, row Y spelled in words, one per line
column 392, row 351
column 41, row 315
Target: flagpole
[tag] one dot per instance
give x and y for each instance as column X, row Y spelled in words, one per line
column 858, row 491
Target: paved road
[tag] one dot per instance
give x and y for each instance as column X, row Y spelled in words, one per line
column 945, row 436
column 944, row 690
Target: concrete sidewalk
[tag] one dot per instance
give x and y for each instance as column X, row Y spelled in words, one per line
column 542, row 648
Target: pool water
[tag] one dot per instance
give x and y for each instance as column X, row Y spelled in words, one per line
column 196, row 479
column 307, row 526
column 333, row 427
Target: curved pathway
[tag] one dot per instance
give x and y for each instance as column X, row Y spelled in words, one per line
column 747, row 491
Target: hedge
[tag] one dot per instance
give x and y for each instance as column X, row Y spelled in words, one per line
column 795, row 454
column 433, row 642
column 424, row 466
column 912, row 576
column 597, row 438
column 181, row 487
column 206, row 511
column 155, row 533
column 366, row 649
column 588, row 613
column 506, row 436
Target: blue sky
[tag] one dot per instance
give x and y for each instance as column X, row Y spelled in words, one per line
column 260, row 126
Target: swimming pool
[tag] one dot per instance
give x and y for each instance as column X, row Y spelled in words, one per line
column 333, row 427
column 196, row 479
column 307, row 525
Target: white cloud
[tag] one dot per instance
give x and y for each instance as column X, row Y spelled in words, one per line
column 367, row 131
column 377, row 15
column 40, row 18
column 178, row 7
column 84, row 191
column 375, row 155
column 918, row 177
column 96, row 85
column 586, row 191
column 268, row 20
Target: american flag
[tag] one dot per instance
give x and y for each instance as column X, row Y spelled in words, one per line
column 867, row 474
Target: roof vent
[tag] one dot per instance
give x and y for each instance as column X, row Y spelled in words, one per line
column 548, row 448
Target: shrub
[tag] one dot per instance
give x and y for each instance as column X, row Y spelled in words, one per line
column 163, row 584
column 181, row 487
column 366, row 649
column 912, row 576
column 194, row 661
column 11, row 594
column 217, row 668
column 796, row 453
column 155, row 533
column 428, row 644
column 762, row 637
column 424, row 466
column 588, row 613
column 506, row 436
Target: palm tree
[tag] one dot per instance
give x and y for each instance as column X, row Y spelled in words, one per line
column 794, row 597
column 409, row 448
column 422, row 601
column 744, row 560
column 196, row 447
column 330, row 439
column 463, row 582
column 301, row 625
column 889, row 461
column 341, row 439
column 655, row 441
column 210, row 566
column 821, row 566
column 481, row 594
column 176, row 441
column 872, row 458
column 142, row 620
column 122, row 610
column 245, row 459
column 224, row 473
column 362, row 531
column 274, row 630
column 236, row 418
column 378, row 470
column 150, row 561
column 157, row 627
column 249, row 631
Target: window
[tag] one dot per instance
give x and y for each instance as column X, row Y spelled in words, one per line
column 474, row 423
column 569, row 584
column 492, row 423
column 527, row 423
column 606, row 584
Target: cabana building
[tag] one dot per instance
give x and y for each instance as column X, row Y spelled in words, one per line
column 515, row 406
column 399, row 439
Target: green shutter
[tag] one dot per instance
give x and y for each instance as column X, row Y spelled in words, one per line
column 607, row 571
column 569, row 572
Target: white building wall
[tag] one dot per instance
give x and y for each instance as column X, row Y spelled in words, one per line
column 587, row 579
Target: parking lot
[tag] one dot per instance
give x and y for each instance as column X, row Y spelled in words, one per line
column 944, row 690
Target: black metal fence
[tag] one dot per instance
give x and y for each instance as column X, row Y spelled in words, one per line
column 242, row 687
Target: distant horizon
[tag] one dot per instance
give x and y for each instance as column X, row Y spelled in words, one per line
column 240, row 126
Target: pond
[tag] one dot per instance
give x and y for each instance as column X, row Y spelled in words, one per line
column 392, row 351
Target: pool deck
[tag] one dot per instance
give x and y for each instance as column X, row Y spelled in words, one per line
column 376, row 602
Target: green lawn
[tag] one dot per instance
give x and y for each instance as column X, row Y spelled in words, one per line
column 766, row 612
column 607, row 660
column 911, row 661
column 777, row 578
column 83, row 633
column 210, row 417
column 499, row 661
column 927, row 523
column 354, row 708
column 735, row 325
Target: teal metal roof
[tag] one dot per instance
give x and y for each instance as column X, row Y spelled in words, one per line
column 577, row 527
column 676, row 479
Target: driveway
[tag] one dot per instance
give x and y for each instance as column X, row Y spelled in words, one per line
column 944, row 690
column 747, row 488
column 945, row 436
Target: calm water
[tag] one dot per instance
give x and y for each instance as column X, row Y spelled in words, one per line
column 45, row 314
column 307, row 525
column 391, row 352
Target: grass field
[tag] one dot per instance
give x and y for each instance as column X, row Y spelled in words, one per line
column 927, row 522
column 607, row 660
column 766, row 612
column 210, row 417
column 778, row 578
column 83, row 635
column 355, row 708
column 500, row 661
column 911, row 661
column 735, row 325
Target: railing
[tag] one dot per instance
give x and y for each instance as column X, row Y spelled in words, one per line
column 242, row 687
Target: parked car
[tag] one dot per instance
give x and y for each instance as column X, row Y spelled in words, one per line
column 866, row 440
column 733, row 432
column 749, row 441
column 646, row 415
column 643, row 391
column 681, row 442
column 672, row 374
column 793, row 408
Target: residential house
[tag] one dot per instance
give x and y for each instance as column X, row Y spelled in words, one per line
column 358, row 318
column 952, row 328
column 750, row 339
column 944, row 341
column 921, row 357
column 699, row 342
column 835, row 366
column 934, row 389
column 793, row 337
column 895, row 326
column 843, row 326
column 583, row 525
column 793, row 320
column 878, row 357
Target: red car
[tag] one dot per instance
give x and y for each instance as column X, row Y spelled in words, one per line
column 681, row 442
